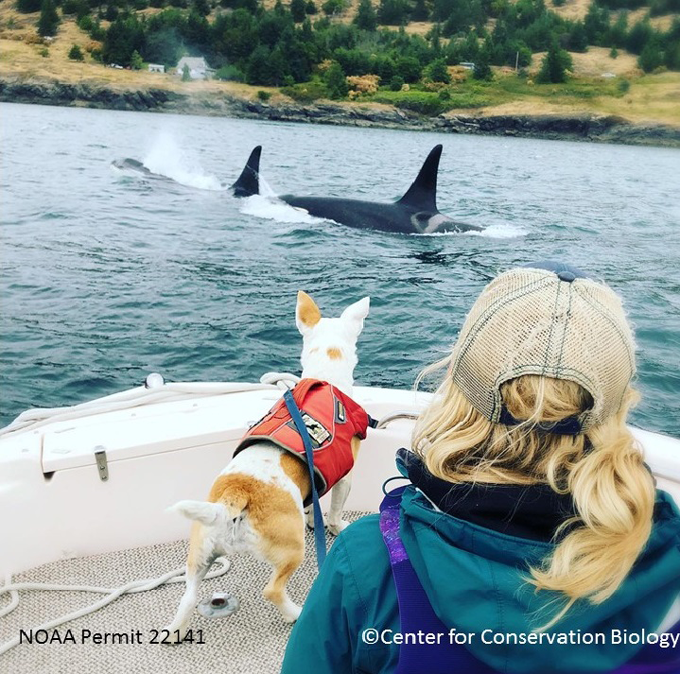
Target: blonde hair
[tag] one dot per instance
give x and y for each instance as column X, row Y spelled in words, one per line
column 602, row 469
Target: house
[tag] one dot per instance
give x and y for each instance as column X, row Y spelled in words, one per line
column 156, row 68
column 198, row 68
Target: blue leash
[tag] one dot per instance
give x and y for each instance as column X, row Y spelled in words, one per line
column 319, row 531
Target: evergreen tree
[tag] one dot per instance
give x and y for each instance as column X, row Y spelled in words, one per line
column 482, row 69
column 596, row 24
column 298, row 9
column 310, row 8
column 257, row 71
column 554, row 65
column 434, row 36
column 618, row 31
column 366, row 18
column 393, row 12
column 640, row 34
column 186, row 74
column 28, row 6
column 136, row 61
column 49, row 19
column 651, row 57
column 438, row 72
column 202, row 7
column 420, row 11
column 336, row 82
column 578, row 38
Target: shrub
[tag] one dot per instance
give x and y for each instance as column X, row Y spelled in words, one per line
column 623, row 86
column 396, row 83
column 76, row 53
column 306, row 92
column 424, row 104
column 364, row 84
column 333, row 7
column 409, row 68
column 230, row 73
column 44, row 52
column 264, row 96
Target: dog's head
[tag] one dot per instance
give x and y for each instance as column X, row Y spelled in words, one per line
column 329, row 344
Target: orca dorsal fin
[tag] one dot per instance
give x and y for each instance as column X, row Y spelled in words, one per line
column 248, row 182
column 423, row 192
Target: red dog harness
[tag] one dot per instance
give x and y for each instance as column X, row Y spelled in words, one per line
column 332, row 420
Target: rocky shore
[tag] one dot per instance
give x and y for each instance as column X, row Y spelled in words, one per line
column 608, row 129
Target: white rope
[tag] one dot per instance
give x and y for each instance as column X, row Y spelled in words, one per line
column 176, row 576
column 137, row 397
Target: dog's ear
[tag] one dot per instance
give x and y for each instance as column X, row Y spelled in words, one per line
column 307, row 314
column 354, row 315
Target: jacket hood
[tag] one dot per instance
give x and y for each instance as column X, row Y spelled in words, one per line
column 475, row 579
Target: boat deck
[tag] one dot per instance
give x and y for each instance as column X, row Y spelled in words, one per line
column 251, row 640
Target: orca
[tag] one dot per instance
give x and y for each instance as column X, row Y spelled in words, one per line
column 133, row 166
column 416, row 212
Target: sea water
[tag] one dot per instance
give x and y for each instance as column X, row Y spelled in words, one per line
column 107, row 277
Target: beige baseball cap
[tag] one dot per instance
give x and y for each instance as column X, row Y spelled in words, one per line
column 548, row 319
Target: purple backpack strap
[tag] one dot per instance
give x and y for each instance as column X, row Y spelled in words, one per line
column 417, row 615
column 415, row 611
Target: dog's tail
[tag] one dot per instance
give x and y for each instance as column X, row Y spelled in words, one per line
column 208, row 513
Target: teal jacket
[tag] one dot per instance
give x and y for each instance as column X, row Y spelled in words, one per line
column 473, row 577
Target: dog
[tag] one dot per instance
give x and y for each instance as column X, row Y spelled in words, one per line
column 256, row 503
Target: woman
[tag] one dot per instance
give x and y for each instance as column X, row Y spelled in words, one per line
column 530, row 513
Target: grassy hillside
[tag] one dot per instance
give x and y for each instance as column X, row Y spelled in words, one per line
column 599, row 80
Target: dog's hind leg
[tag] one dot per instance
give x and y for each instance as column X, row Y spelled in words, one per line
column 339, row 495
column 283, row 546
column 201, row 556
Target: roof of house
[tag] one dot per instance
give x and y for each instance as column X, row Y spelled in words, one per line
column 193, row 62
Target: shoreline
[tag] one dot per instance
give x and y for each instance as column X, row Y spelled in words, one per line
column 585, row 127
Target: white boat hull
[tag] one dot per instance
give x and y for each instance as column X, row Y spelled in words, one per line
column 54, row 505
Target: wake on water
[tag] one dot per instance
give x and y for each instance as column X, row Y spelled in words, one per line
column 167, row 158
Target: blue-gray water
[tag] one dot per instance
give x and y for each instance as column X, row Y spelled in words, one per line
column 106, row 278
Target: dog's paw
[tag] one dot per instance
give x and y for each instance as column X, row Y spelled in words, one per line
column 335, row 529
column 309, row 518
column 291, row 613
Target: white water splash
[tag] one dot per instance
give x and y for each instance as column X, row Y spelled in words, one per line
column 501, row 231
column 271, row 208
column 168, row 159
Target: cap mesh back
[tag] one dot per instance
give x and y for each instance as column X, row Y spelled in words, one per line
column 528, row 321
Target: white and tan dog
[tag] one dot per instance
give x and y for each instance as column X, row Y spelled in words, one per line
column 255, row 504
